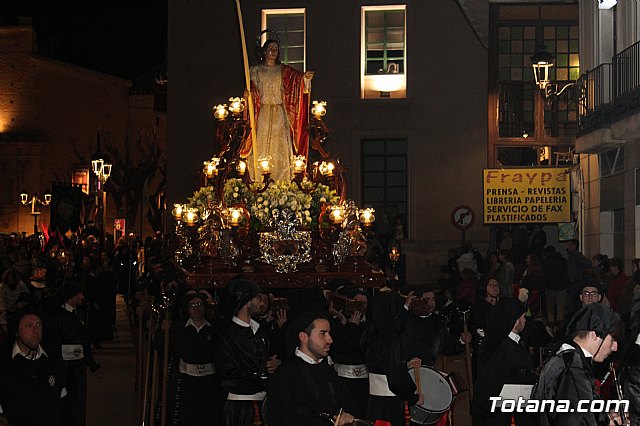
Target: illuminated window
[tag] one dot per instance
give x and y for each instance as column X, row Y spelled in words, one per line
column 384, row 54
column 289, row 24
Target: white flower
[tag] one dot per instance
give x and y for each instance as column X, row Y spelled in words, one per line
column 235, row 195
column 260, row 199
column 236, row 189
column 322, row 199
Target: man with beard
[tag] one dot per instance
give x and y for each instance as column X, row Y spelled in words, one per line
column 241, row 356
column 306, row 390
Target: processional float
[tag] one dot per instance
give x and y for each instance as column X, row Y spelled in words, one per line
column 236, row 222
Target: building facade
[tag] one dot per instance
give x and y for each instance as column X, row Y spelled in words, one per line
column 609, row 127
column 50, row 112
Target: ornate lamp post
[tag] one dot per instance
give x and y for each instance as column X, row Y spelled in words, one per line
column 24, row 199
column 102, row 170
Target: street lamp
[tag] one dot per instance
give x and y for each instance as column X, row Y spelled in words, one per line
column 542, row 62
column 102, row 170
column 24, row 199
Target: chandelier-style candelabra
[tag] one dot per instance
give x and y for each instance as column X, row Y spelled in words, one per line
column 283, row 224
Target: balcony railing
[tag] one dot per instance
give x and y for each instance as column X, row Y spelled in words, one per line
column 627, row 66
column 610, row 90
column 597, row 88
column 596, row 96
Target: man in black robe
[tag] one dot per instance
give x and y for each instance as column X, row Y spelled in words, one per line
column 32, row 386
column 348, row 360
column 241, row 356
column 192, row 342
column 569, row 374
column 503, row 361
column 306, row 390
column 424, row 334
column 391, row 388
column 76, row 352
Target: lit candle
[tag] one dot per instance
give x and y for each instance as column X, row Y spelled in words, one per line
column 234, row 216
column 265, row 165
column 211, row 167
column 191, row 216
column 319, row 109
column 336, row 215
column 241, row 167
column 395, row 254
column 299, row 164
column 177, row 211
column 220, row 111
column 236, row 105
column 326, row 168
column 367, row 216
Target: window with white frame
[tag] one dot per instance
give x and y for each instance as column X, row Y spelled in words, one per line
column 289, row 24
column 383, row 52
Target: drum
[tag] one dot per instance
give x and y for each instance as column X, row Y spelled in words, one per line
column 438, row 396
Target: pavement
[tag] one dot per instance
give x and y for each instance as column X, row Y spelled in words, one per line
column 113, row 400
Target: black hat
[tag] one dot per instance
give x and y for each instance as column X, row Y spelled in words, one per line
column 591, row 283
column 68, row 290
column 594, row 317
column 298, row 324
column 304, row 320
column 239, row 292
column 503, row 316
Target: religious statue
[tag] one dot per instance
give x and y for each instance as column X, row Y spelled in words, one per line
column 281, row 104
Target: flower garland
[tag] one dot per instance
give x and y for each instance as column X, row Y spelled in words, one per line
column 202, row 199
column 279, row 196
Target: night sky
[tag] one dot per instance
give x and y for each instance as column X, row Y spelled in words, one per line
column 124, row 38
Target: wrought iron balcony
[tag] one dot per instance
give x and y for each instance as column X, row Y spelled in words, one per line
column 610, row 91
column 596, row 98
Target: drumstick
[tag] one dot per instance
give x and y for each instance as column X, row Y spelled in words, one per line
column 416, row 373
column 338, row 418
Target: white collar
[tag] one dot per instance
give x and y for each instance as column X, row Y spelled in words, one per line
column 306, row 358
column 67, row 307
column 16, row 351
column 638, row 339
column 515, row 337
column 566, row 346
column 254, row 325
column 190, row 322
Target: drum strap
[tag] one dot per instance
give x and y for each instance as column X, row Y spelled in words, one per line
column 407, row 416
column 256, row 413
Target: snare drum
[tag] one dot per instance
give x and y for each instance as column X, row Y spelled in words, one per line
column 438, row 396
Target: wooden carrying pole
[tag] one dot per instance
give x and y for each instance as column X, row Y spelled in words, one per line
column 165, row 370
column 467, row 352
column 247, row 81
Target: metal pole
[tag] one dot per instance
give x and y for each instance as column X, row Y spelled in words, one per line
column 104, row 216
